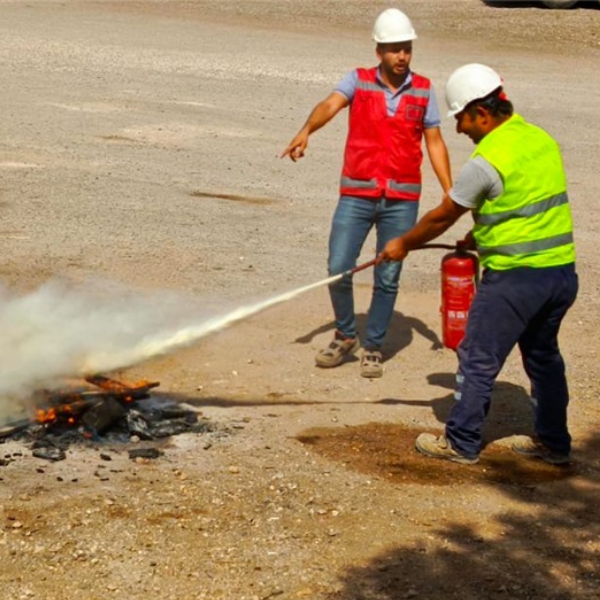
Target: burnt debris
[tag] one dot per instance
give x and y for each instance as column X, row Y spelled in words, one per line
column 117, row 412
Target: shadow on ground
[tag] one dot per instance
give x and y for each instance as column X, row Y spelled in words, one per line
column 400, row 334
column 510, row 412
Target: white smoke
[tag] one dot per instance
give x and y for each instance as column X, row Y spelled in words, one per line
column 62, row 330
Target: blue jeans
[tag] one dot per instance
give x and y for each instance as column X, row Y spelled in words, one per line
column 522, row 306
column 353, row 219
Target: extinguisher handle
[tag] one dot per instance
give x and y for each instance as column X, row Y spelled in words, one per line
column 460, row 246
column 464, row 246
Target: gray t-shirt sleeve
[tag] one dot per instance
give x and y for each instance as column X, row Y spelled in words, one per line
column 347, row 86
column 432, row 112
column 477, row 181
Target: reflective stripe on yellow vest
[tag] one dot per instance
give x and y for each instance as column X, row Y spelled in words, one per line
column 529, row 224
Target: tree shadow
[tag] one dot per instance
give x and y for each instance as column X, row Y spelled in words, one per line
column 510, row 413
column 547, row 550
column 400, row 333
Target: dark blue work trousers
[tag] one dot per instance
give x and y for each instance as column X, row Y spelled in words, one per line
column 523, row 306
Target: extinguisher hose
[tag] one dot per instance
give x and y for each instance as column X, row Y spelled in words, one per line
column 372, row 262
column 440, row 246
column 360, row 267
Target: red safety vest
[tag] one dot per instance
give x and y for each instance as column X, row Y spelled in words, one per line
column 383, row 154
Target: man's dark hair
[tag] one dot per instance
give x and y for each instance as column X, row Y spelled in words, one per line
column 496, row 103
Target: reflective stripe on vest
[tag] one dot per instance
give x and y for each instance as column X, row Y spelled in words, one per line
column 371, row 86
column 524, row 211
column 371, row 184
column 362, row 184
column 409, row 188
column 527, row 247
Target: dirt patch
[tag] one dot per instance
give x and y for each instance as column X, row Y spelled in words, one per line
column 387, row 450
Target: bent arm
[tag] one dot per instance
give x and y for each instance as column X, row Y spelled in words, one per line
column 438, row 156
column 432, row 225
column 320, row 115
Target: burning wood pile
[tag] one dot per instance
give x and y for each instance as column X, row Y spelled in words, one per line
column 111, row 411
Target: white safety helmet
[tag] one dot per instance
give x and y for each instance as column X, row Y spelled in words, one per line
column 470, row 82
column 392, row 25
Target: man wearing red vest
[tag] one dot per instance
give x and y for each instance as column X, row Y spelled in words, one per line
column 391, row 110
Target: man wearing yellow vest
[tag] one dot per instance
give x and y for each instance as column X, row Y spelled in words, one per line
column 391, row 110
column 515, row 186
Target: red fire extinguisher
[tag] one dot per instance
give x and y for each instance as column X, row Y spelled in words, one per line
column 460, row 275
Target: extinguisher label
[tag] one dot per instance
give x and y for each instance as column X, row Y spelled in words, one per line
column 460, row 315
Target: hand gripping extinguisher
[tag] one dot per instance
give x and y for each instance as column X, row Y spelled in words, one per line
column 460, row 275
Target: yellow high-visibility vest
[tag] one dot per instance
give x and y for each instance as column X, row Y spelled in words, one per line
column 529, row 224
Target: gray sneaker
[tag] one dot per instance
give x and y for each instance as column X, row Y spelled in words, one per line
column 371, row 364
column 336, row 352
column 532, row 448
column 439, row 447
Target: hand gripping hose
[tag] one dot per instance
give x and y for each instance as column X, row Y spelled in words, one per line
column 372, row 262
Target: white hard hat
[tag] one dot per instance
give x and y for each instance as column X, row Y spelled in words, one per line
column 392, row 25
column 470, row 82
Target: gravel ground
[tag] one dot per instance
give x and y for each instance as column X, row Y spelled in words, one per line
column 140, row 145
